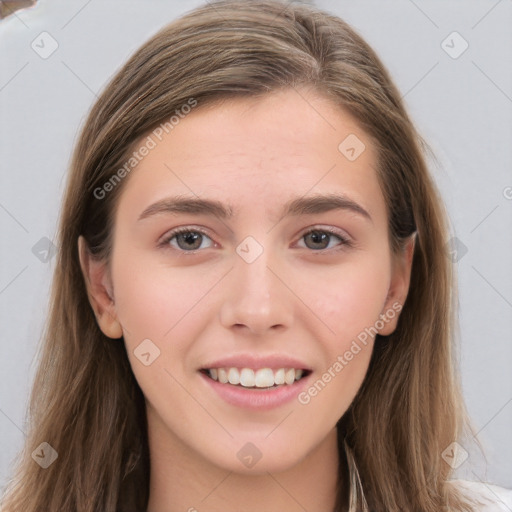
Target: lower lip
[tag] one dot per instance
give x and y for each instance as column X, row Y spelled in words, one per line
column 257, row 399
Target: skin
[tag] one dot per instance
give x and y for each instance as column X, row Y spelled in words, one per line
column 297, row 299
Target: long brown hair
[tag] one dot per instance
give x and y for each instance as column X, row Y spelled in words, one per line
column 85, row 401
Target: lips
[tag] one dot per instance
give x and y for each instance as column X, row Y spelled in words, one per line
column 265, row 398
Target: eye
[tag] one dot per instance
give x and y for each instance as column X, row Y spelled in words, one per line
column 321, row 239
column 186, row 239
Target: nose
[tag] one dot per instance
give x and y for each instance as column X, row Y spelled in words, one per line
column 256, row 299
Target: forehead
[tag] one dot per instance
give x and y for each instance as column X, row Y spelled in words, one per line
column 273, row 147
column 285, row 125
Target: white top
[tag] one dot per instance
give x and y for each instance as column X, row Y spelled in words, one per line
column 492, row 498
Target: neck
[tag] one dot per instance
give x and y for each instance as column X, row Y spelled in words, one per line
column 182, row 481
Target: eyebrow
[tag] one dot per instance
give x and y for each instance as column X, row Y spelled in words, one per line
column 299, row 206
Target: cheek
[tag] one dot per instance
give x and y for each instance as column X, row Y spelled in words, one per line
column 152, row 298
column 349, row 301
column 347, row 298
column 166, row 306
column 331, row 393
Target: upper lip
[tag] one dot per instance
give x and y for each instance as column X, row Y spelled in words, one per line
column 274, row 362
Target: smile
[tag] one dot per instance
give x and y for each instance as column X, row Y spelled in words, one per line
column 256, row 378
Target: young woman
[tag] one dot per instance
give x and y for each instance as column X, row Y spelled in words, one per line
column 252, row 307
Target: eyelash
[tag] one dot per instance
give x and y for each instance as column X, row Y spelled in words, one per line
column 345, row 242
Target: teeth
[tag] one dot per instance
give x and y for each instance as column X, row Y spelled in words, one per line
column 279, row 376
column 234, row 376
column 289, row 376
column 247, row 378
column 264, row 378
column 261, row 378
column 223, row 375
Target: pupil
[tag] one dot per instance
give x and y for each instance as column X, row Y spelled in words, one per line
column 190, row 238
column 318, row 237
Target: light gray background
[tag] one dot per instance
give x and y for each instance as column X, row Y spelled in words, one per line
column 462, row 106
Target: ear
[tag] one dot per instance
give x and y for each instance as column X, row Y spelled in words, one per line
column 399, row 286
column 99, row 290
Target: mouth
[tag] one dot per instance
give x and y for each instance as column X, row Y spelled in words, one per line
column 256, row 378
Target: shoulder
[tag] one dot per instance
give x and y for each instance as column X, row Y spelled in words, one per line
column 492, row 498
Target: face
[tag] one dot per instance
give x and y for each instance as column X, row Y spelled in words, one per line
column 249, row 246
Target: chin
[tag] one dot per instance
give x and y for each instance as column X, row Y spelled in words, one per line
column 267, row 464
column 260, row 456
